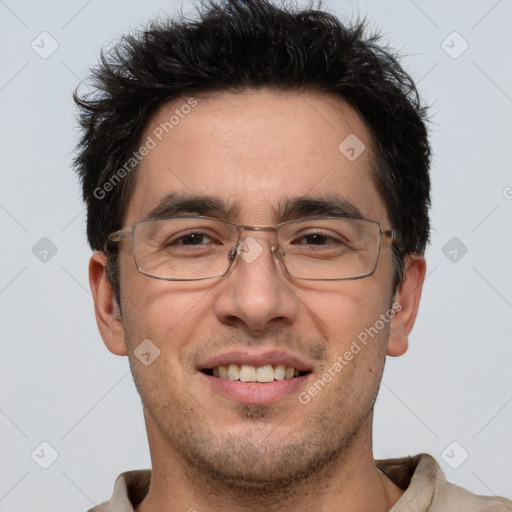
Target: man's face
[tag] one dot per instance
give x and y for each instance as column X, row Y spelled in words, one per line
column 255, row 151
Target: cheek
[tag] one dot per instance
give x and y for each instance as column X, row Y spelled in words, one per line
column 164, row 312
column 342, row 313
column 164, row 324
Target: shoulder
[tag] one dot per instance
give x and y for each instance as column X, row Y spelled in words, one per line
column 428, row 490
column 130, row 489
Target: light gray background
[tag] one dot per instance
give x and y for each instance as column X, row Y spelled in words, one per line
column 59, row 384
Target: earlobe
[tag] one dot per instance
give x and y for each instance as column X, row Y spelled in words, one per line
column 408, row 298
column 106, row 309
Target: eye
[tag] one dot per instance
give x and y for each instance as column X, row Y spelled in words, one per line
column 192, row 238
column 317, row 238
column 195, row 238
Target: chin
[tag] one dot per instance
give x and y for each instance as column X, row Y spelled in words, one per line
column 263, row 464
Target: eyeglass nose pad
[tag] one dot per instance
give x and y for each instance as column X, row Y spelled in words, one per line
column 276, row 253
column 235, row 251
column 232, row 254
column 279, row 258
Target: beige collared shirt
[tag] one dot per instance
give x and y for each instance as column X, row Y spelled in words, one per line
column 421, row 476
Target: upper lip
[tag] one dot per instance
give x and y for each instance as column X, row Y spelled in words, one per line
column 254, row 359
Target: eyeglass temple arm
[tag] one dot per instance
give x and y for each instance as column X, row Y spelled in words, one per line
column 392, row 234
column 117, row 236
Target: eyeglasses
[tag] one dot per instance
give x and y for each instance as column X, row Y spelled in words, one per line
column 192, row 248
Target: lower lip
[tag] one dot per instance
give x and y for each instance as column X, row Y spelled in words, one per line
column 254, row 392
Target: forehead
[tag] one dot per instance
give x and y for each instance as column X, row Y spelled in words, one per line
column 254, row 151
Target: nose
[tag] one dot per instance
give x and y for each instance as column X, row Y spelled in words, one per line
column 256, row 294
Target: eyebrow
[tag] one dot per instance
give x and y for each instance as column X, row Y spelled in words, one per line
column 323, row 206
column 288, row 209
column 176, row 204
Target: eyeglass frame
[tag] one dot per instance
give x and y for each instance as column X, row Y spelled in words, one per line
column 128, row 234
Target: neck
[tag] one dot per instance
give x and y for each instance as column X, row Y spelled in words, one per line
column 350, row 482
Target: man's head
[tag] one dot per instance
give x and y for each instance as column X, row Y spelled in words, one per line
column 257, row 116
column 243, row 45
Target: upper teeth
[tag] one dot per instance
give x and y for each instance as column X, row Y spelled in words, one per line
column 249, row 373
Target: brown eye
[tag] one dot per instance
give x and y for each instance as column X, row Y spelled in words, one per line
column 192, row 239
column 314, row 239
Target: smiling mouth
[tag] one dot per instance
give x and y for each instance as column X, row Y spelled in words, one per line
column 248, row 373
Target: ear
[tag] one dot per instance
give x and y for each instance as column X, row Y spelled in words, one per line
column 106, row 309
column 406, row 304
